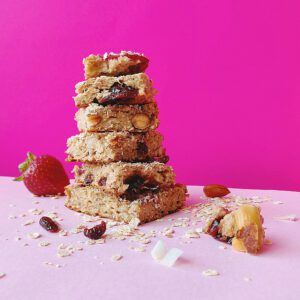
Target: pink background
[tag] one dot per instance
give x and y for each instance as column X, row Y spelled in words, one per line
column 227, row 73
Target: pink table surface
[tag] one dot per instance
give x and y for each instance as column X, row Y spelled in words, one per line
column 90, row 274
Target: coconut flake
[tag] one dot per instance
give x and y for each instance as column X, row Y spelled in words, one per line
column 159, row 250
column 171, row 257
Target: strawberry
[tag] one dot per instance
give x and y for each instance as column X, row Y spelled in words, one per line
column 43, row 175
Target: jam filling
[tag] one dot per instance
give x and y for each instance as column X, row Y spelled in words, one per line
column 139, row 188
column 213, row 230
column 120, row 93
column 140, row 67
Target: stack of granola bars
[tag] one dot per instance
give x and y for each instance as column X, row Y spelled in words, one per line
column 123, row 175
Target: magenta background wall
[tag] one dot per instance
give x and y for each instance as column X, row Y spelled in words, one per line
column 227, row 73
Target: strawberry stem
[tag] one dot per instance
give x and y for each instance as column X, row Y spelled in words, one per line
column 24, row 165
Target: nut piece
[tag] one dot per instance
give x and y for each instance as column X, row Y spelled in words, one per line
column 92, row 65
column 93, row 120
column 215, row 190
column 249, row 231
column 140, row 121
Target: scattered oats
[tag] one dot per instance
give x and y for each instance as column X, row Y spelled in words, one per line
column 79, row 228
column 25, row 245
column 63, row 233
column 210, row 272
column 291, row 218
column 247, row 279
column 58, row 266
column 134, row 223
column 277, row 202
column 65, row 250
column 192, row 234
column 222, row 247
column 159, row 220
column 22, row 215
column 35, row 211
column 36, row 202
column 140, row 239
column 12, row 205
column 48, row 263
column 28, row 222
column 2, row 275
column 168, row 232
column 44, row 244
column 79, row 248
column 138, row 249
column 34, row 235
column 90, row 242
column 12, row 217
column 17, row 238
column 268, row 242
column 116, row 257
column 101, row 263
column 110, row 224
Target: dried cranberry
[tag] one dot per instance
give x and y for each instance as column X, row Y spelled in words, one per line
column 138, row 68
column 120, row 93
column 102, row 181
column 214, row 228
column 162, row 159
column 138, row 187
column 142, row 148
column 95, row 232
column 48, row 224
column 88, row 179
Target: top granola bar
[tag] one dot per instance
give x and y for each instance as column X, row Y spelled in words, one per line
column 112, row 64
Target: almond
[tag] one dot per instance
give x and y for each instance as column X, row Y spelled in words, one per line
column 140, row 121
column 215, row 190
column 93, row 119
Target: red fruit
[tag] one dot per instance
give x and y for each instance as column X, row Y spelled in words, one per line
column 95, row 232
column 48, row 224
column 43, row 175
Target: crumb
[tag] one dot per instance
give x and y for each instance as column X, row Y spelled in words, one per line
column 192, row 234
column 34, row 235
column 247, row 279
column 210, row 272
column 35, row 211
column 28, row 222
column 17, row 238
column 116, row 257
column 44, row 244
column 12, row 217
column 268, row 242
column 2, row 275
column 222, row 247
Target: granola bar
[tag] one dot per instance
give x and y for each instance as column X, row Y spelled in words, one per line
column 115, row 146
column 133, row 118
column 125, row 177
column 105, row 90
column 148, row 207
column 112, row 64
